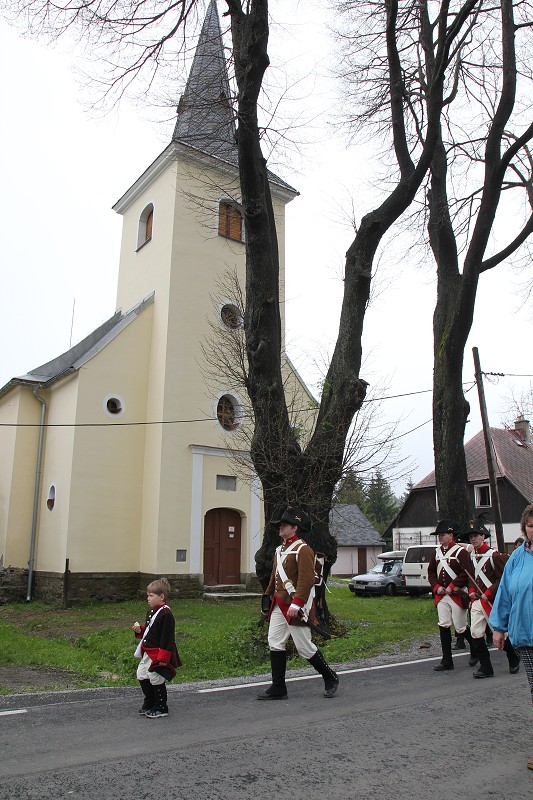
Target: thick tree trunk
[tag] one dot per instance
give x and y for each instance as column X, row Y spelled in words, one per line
column 290, row 476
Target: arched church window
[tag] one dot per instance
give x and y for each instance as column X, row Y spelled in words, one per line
column 146, row 223
column 229, row 221
column 51, row 499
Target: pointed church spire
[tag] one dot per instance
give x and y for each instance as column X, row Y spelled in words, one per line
column 205, row 117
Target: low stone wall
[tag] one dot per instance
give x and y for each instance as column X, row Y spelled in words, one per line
column 74, row 588
column 13, row 585
column 110, row 587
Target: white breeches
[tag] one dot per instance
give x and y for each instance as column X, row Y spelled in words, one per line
column 478, row 620
column 142, row 672
column 279, row 631
column 449, row 612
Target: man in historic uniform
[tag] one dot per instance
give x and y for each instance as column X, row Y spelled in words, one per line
column 289, row 595
column 447, row 577
column 484, row 579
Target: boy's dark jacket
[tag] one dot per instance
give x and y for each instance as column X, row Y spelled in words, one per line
column 160, row 644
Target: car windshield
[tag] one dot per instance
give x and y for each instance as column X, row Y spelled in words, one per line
column 387, row 567
column 377, row 568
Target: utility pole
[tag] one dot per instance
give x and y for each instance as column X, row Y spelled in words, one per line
column 489, row 450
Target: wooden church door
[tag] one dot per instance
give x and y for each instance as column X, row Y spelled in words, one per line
column 222, row 547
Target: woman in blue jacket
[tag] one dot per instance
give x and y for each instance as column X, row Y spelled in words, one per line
column 512, row 612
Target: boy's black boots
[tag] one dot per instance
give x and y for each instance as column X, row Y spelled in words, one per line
column 277, row 690
column 446, row 644
column 160, row 691
column 149, row 696
column 331, row 679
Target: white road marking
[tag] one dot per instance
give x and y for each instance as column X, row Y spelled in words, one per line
column 16, row 711
column 339, row 672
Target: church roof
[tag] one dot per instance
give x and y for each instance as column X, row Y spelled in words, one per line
column 206, row 117
column 77, row 356
column 205, row 114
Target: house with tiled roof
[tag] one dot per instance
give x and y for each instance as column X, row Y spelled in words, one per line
column 513, row 455
column 358, row 542
column 120, row 457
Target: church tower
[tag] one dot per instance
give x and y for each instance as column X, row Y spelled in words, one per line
column 183, row 231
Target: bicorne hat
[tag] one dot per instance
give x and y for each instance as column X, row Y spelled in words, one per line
column 446, row 526
column 294, row 516
column 476, row 526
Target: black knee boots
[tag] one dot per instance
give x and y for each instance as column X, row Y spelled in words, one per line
column 160, row 692
column 512, row 657
column 485, row 665
column 149, row 696
column 472, row 661
column 277, row 690
column 446, row 644
column 331, row 679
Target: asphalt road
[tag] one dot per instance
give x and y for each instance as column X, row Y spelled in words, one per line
column 396, row 731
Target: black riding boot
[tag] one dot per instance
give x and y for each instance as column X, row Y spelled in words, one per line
column 331, row 679
column 459, row 643
column 485, row 665
column 149, row 696
column 488, row 634
column 446, row 644
column 472, row 661
column 277, row 690
column 512, row 657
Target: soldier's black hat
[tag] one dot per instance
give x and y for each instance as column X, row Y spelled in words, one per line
column 294, row 516
column 475, row 526
column 446, row 526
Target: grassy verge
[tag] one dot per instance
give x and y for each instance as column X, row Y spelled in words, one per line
column 95, row 643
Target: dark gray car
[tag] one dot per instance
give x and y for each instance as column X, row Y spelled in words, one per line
column 384, row 578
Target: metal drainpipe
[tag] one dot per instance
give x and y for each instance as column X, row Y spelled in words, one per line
column 36, row 492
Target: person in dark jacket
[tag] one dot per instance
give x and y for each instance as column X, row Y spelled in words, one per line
column 157, row 650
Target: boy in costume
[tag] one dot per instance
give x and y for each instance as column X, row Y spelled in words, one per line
column 157, row 650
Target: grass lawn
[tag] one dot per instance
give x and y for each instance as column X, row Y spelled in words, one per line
column 94, row 644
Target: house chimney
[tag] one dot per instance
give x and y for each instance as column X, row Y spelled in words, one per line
column 523, row 429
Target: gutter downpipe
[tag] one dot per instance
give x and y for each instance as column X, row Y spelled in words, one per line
column 36, row 492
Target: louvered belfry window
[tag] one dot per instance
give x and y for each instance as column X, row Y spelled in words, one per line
column 229, row 222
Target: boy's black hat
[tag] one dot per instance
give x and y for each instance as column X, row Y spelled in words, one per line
column 294, row 516
column 446, row 526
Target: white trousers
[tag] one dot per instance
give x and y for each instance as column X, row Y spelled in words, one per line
column 478, row 620
column 142, row 672
column 448, row 611
column 279, row 631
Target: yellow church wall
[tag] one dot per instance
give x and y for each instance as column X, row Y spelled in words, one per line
column 107, row 481
column 18, row 446
column 53, row 523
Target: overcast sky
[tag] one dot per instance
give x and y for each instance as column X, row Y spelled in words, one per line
column 63, row 169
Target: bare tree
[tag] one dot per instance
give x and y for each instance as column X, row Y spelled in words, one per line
column 481, row 161
column 136, row 35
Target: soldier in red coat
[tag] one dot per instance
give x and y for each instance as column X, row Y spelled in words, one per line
column 484, row 579
column 447, row 577
column 290, row 594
